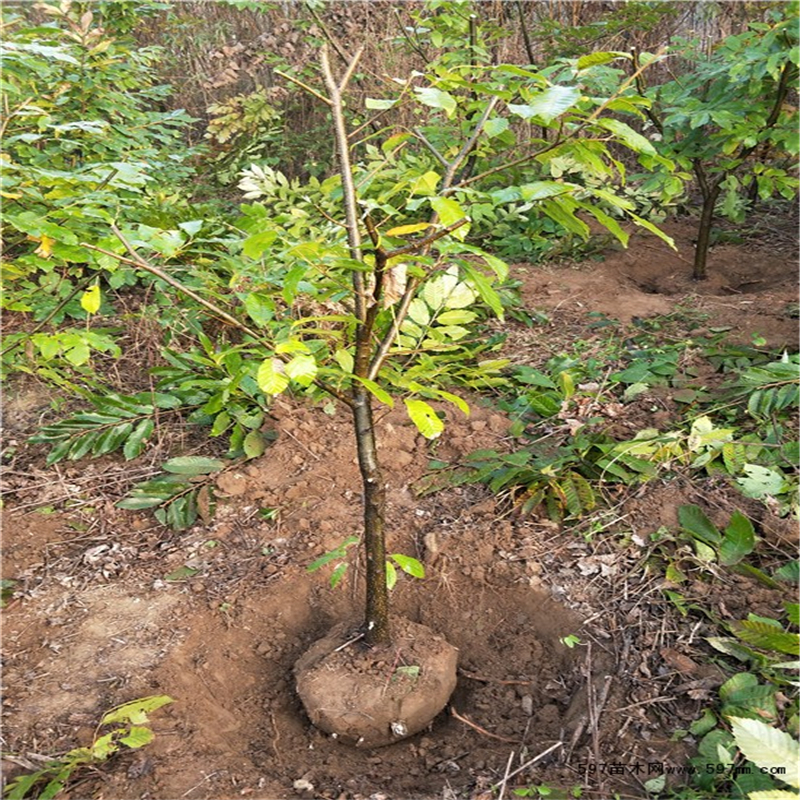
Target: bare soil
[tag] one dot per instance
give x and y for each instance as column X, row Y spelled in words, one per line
column 95, row 621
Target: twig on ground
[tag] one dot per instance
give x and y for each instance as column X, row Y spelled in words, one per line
column 479, row 729
column 504, row 782
column 531, row 761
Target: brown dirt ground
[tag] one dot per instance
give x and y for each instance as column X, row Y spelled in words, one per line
column 94, row 622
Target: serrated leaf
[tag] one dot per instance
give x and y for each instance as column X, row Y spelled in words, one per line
column 765, row 636
column 302, row 369
column 760, row 482
column 739, row 540
column 547, row 105
column 90, row 300
column 694, row 521
column 337, row 575
column 768, row 748
column 425, row 418
column 436, row 98
column 271, row 378
column 790, row 572
column 193, row 465
column 793, row 612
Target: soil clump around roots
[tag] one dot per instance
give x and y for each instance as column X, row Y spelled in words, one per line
column 110, row 606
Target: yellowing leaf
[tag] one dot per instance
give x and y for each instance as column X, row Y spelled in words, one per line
column 90, row 300
column 271, row 377
column 402, row 230
column 425, row 418
column 46, row 247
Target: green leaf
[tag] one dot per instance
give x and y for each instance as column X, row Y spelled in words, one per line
column 694, row 521
column 137, row 736
column 436, row 98
column 375, row 390
column 254, row 444
column 425, row 418
column 425, row 185
column 271, row 377
column 793, row 612
column 768, row 748
column 391, row 576
column 256, row 245
column 549, row 104
column 485, row 291
column 496, row 126
column 375, row 104
column 141, row 501
column 760, row 482
column 135, row 443
column 136, row 711
column 635, row 141
column 344, row 359
column 593, row 59
column 790, row 572
column 193, row 465
column 90, row 300
column 450, row 212
column 408, row 564
column 302, row 369
column 739, row 540
column 765, row 636
column 702, row 726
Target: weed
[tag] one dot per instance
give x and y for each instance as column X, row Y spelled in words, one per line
column 131, row 731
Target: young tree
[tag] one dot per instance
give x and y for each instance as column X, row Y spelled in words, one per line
column 726, row 117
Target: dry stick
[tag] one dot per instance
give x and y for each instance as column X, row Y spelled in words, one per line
column 504, row 782
column 137, row 261
column 532, row 761
column 484, row 679
column 479, row 729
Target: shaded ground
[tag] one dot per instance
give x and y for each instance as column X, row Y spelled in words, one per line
column 95, row 622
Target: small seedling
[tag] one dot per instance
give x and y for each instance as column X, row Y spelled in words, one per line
column 407, row 564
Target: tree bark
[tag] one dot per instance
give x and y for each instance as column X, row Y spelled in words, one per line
column 377, row 629
column 710, row 196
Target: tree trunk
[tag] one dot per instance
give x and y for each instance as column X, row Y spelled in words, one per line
column 377, row 605
column 704, row 231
